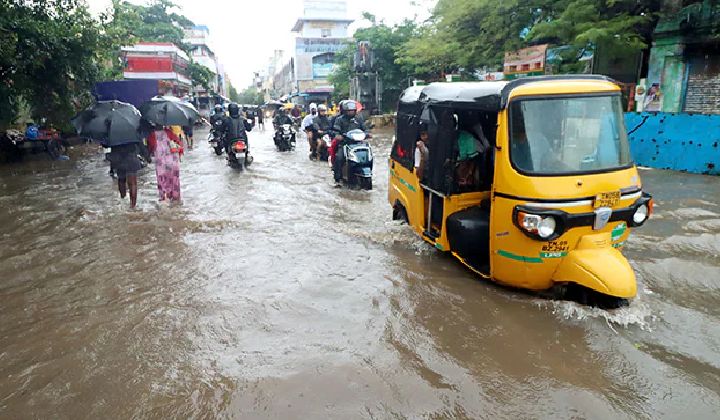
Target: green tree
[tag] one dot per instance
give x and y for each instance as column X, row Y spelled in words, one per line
column 200, row 75
column 233, row 93
column 126, row 24
column 620, row 27
column 250, row 96
column 472, row 34
column 386, row 42
column 48, row 58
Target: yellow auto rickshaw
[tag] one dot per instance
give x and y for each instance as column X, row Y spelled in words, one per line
column 528, row 182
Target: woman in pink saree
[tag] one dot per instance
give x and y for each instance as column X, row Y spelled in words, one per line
column 167, row 149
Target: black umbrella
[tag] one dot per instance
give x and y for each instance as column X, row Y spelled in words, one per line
column 168, row 110
column 110, row 122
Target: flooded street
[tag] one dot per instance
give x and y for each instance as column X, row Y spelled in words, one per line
column 270, row 294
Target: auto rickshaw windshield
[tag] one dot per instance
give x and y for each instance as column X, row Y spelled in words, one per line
column 568, row 135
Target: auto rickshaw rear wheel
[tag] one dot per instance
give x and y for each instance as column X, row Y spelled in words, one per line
column 399, row 213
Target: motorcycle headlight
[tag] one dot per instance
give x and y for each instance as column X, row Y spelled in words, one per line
column 357, row 136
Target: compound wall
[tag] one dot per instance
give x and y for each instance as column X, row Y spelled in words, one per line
column 677, row 141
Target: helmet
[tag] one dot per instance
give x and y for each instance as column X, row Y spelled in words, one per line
column 234, row 109
column 347, row 106
column 322, row 107
column 313, row 105
column 218, row 108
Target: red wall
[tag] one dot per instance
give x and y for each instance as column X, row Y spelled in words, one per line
column 149, row 64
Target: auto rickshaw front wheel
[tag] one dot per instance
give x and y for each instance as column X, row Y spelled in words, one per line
column 586, row 296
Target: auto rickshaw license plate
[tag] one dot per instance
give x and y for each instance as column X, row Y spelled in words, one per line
column 607, row 199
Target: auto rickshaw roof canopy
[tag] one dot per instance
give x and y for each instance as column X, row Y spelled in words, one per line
column 490, row 96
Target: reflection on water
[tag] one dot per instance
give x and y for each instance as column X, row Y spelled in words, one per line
column 271, row 294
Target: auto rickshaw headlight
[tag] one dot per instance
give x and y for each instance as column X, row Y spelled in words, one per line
column 546, row 227
column 542, row 226
column 641, row 214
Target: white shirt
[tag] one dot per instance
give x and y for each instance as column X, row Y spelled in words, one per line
column 418, row 157
column 307, row 121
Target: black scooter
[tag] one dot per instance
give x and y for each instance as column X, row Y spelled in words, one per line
column 357, row 169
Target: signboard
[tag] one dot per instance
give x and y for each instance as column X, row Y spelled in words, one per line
column 322, row 70
column 525, row 62
column 319, row 45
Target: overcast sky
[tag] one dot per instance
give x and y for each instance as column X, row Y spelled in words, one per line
column 245, row 33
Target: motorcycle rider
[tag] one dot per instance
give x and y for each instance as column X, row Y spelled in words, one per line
column 280, row 119
column 306, row 126
column 347, row 121
column 234, row 128
column 321, row 125
column 218, row 114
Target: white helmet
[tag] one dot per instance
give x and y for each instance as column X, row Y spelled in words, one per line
column 313, row 105
column 322, row 107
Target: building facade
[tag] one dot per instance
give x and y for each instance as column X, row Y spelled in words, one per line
column 203, row 53
column 322, row 31
column 160, row 61
column 684, row 65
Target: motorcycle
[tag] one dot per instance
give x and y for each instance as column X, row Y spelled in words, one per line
column 215, row 138
column 285, row 138
column 357, row 169
column 238, row 156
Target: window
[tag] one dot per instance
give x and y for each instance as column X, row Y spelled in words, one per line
column 568, row 135
column 325, row 32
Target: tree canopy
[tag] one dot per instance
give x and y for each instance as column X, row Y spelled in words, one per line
column 48, row 57
column 53, row 51
column 386, row 42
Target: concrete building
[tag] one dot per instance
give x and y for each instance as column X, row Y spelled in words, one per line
column 684, row 65
column 160, row 61
column 203, row 53
column 321, row 32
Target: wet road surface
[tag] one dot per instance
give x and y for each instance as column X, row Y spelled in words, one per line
column 269, row 294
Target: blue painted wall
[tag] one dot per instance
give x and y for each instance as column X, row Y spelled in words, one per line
column 682, row 142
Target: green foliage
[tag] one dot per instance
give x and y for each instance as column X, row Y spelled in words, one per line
column 386, row 42
column 340, row 77
column 471, row 34
column 128, row 23
column 250, row 96
column 619, row 26
column 233, row 93
column 200, row 75
column 48, row 57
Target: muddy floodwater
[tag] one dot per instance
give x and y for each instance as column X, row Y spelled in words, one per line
column 270, row 294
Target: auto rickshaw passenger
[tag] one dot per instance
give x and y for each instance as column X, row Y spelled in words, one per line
column 422, row 153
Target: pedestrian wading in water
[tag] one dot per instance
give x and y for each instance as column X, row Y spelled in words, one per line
column 166, row 148
column 126, row 163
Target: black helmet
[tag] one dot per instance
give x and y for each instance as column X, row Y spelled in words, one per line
column 234, row 109
column 218, row 108
column 423, row 126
